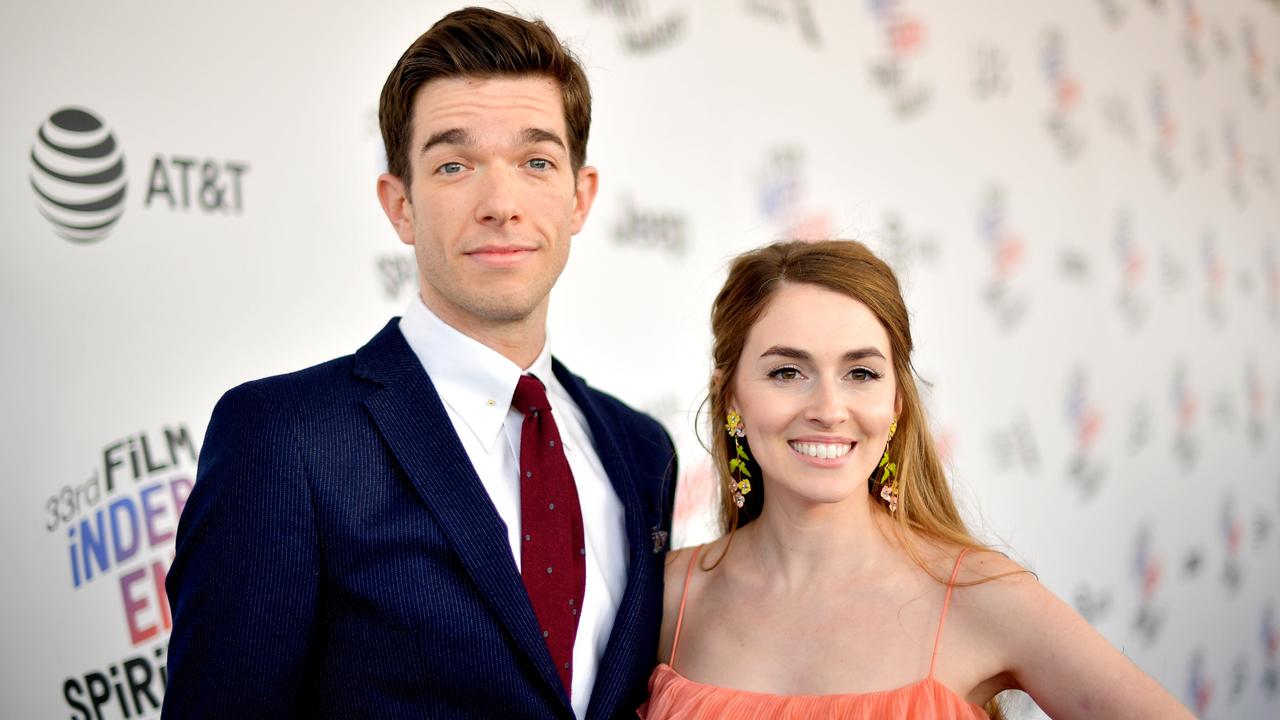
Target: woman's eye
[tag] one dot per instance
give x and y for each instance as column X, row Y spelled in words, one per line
column 862, row 374
column 784, row 373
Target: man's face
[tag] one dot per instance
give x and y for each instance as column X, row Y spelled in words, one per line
column 493, row 201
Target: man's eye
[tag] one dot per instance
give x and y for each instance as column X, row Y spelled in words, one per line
column 540, row 164
column 452, row 168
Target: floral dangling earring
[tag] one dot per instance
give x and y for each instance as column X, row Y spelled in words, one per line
column 889, row 476
column 740, row 484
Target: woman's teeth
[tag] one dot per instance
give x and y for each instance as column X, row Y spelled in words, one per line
column 822, row 451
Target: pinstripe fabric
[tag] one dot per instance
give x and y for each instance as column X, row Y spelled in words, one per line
column 338, row 557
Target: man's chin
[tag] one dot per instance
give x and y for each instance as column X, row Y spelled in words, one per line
column 499, row 310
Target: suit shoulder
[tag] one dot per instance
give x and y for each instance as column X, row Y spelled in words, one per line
column 304, row 381
column 317, row 384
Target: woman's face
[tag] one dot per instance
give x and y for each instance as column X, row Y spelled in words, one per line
column 816, row 390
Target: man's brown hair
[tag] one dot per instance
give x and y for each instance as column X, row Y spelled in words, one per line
column 476, row 42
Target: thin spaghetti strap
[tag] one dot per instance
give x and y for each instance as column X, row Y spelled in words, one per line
column 946, row 603
column 684, row 595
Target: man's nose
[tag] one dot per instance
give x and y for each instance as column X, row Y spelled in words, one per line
column 498, row 203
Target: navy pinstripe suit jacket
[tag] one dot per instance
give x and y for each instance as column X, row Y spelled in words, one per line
column 339, row 557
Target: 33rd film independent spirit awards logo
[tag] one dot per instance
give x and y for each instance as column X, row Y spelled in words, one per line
column 78, row 175
column 118, row 527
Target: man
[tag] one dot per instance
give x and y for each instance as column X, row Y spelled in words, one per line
column 386, row 535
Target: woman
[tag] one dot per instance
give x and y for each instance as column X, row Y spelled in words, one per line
column 846, row 584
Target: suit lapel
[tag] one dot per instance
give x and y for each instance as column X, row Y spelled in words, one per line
column 611, row 674
column 413, row 421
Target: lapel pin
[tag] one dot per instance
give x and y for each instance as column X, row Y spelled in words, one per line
column 659, row 540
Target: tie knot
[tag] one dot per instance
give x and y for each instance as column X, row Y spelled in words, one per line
column 531, row 395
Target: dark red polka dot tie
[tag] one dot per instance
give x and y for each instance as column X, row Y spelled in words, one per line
column 553, row 560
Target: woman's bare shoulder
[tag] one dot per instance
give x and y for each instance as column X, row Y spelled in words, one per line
column 999, row 583
column 1001, row 606
column 989, row 586
column 679, row 564
column 674, row 574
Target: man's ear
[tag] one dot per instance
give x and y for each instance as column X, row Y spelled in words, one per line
column 584, row 195
column 394, row 197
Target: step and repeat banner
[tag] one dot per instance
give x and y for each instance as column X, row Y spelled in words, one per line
column 1082, row 200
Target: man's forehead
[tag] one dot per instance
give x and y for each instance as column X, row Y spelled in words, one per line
column 495, row 99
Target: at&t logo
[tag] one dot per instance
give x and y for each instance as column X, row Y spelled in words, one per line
column 77, row 172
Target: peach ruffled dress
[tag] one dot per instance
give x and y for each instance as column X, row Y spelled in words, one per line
column 672, row 696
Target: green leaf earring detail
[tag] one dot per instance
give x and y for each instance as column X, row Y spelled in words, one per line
column 889, row 476
column 739, row 484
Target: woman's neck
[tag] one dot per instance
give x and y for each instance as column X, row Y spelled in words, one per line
column 797, row 546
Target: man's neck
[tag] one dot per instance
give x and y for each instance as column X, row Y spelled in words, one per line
column 520, row 341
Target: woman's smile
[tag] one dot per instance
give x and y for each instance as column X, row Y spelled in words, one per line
column 827, row 452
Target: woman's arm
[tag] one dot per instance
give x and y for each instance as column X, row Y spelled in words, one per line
column 1052, row 653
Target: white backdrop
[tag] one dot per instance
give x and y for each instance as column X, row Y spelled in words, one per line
column 1081, row 198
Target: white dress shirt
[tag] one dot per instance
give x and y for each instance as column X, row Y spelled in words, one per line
column 476, row 384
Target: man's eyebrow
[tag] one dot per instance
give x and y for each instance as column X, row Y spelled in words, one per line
column 532, row 136
column 452, row 136
column 797, row 354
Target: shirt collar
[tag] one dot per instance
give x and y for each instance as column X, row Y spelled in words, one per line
column 474, row 380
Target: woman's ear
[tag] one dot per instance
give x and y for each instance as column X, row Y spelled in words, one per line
column 717, row 378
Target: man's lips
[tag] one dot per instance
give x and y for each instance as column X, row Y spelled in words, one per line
column 501, row 255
